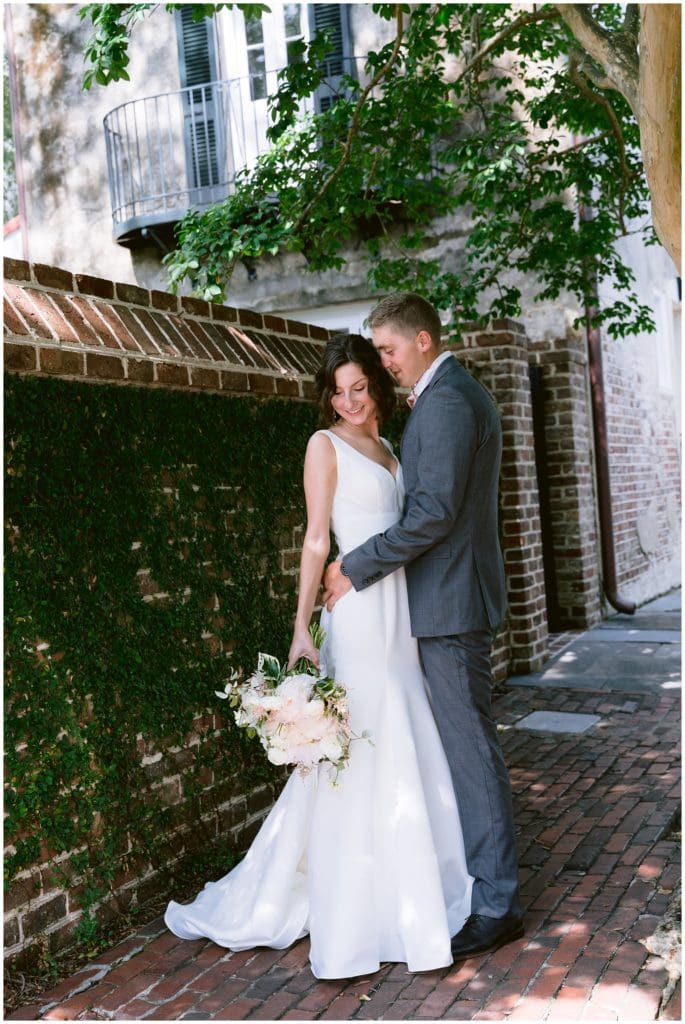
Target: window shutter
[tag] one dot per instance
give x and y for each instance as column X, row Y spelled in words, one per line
column 336, row 18
column 197, row 52
column 201, row 107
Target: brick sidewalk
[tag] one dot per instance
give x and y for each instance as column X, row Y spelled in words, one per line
column 597, row 869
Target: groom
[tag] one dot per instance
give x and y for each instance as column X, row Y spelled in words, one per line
column 447, row 541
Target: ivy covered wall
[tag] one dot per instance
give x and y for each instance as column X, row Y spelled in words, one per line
column 148, row 531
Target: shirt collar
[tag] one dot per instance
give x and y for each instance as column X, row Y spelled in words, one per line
column 427, row 376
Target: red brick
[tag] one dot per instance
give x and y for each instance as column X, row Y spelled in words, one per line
column 284, row 386
column 297, row 328
column 130, row 946
column 53, row 277
column 224, row 313
column 568, row 1003
column 19, row 358
column 31, row 1011
column 322, row 995
column 61, row 362
column 255, row 964
column 135, row 329
column 239, row 1009
column 211, row 953
column 257, row 353
column 164, row 300
column 172, row 339
column 206, row 379
column 121, row 994
column 12, row 322
column 204, row 340
column 16, row 270
column 341, row 1009
column 248, row 318
column 214, row 977
column 107, row 367
column 89, row 285
column 274, row 1006
column 173, row 1009
column 157, row 329
column 173, row 982
column 29, row 310
column 221, row 996
column 198, row 307
column 274, row 323
column 261, row 385
column 139, row 370
column 71, row 1008
column 131, row 293
column 319, row 333
column 135, row 1010
column 173, row 374
column 86, row 317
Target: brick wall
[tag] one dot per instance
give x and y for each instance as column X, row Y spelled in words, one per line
column 644, row 465
column 91, row 330
column 499, row 358
column 569, row 461
column 76, row 326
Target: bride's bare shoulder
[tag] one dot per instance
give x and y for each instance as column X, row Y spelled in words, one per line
column 320, row 447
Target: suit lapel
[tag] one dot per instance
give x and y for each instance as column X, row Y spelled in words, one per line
column 445, row 366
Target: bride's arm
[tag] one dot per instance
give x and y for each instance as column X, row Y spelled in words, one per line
column 320, row 477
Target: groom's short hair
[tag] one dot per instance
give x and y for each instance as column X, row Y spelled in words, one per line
column 408, row 312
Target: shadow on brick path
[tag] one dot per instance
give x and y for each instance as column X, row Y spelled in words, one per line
column 599, row 860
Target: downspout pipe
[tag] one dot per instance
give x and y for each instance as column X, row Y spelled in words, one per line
column 599, row 423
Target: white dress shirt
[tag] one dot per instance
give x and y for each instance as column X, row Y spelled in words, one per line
column 427, row 376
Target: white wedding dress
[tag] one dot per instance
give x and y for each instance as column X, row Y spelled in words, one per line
column 373, row 868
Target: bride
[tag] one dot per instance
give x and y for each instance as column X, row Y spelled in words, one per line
column 372, row 869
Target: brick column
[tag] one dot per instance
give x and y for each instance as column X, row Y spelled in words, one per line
column 498, row 357
column 569, row 467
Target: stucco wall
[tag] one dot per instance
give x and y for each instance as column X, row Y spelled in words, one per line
column 62, row 138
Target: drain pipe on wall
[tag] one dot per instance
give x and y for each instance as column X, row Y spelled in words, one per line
column 599, row 423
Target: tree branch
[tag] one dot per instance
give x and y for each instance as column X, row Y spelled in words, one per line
column 524, row 19
column 354, row 126
column 631, row 21
column 581, row 83
column 615, row 52
column 569, row 149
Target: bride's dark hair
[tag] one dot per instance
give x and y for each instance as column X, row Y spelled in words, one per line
column 353, row 348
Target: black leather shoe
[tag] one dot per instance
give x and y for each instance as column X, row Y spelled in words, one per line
column 483, row 934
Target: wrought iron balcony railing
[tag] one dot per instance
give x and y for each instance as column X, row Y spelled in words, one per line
column 180, row 150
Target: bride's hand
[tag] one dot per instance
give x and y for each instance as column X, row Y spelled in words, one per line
column 335, row 585
column 303, row 647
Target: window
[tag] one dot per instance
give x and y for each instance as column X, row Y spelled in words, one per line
column 292, row 23
column 202, row 120
column 256, row 61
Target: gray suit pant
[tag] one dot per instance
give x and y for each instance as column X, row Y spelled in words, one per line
column 457, row 670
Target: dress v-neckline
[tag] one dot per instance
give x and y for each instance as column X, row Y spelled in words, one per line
column 368, row 457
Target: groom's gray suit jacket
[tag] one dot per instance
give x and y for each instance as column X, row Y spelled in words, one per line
column 447, row 538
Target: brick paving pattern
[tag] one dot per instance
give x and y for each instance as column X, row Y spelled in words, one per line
column 598, row 865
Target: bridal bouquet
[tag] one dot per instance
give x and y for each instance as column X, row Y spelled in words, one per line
column 300, row 716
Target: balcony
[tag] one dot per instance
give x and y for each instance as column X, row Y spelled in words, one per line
column 180, row 150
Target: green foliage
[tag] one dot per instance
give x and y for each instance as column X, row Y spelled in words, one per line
column 513, row 147
column 107, row 47
column 102, row 483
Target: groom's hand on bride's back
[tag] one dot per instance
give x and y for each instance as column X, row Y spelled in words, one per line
column 335, row 585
